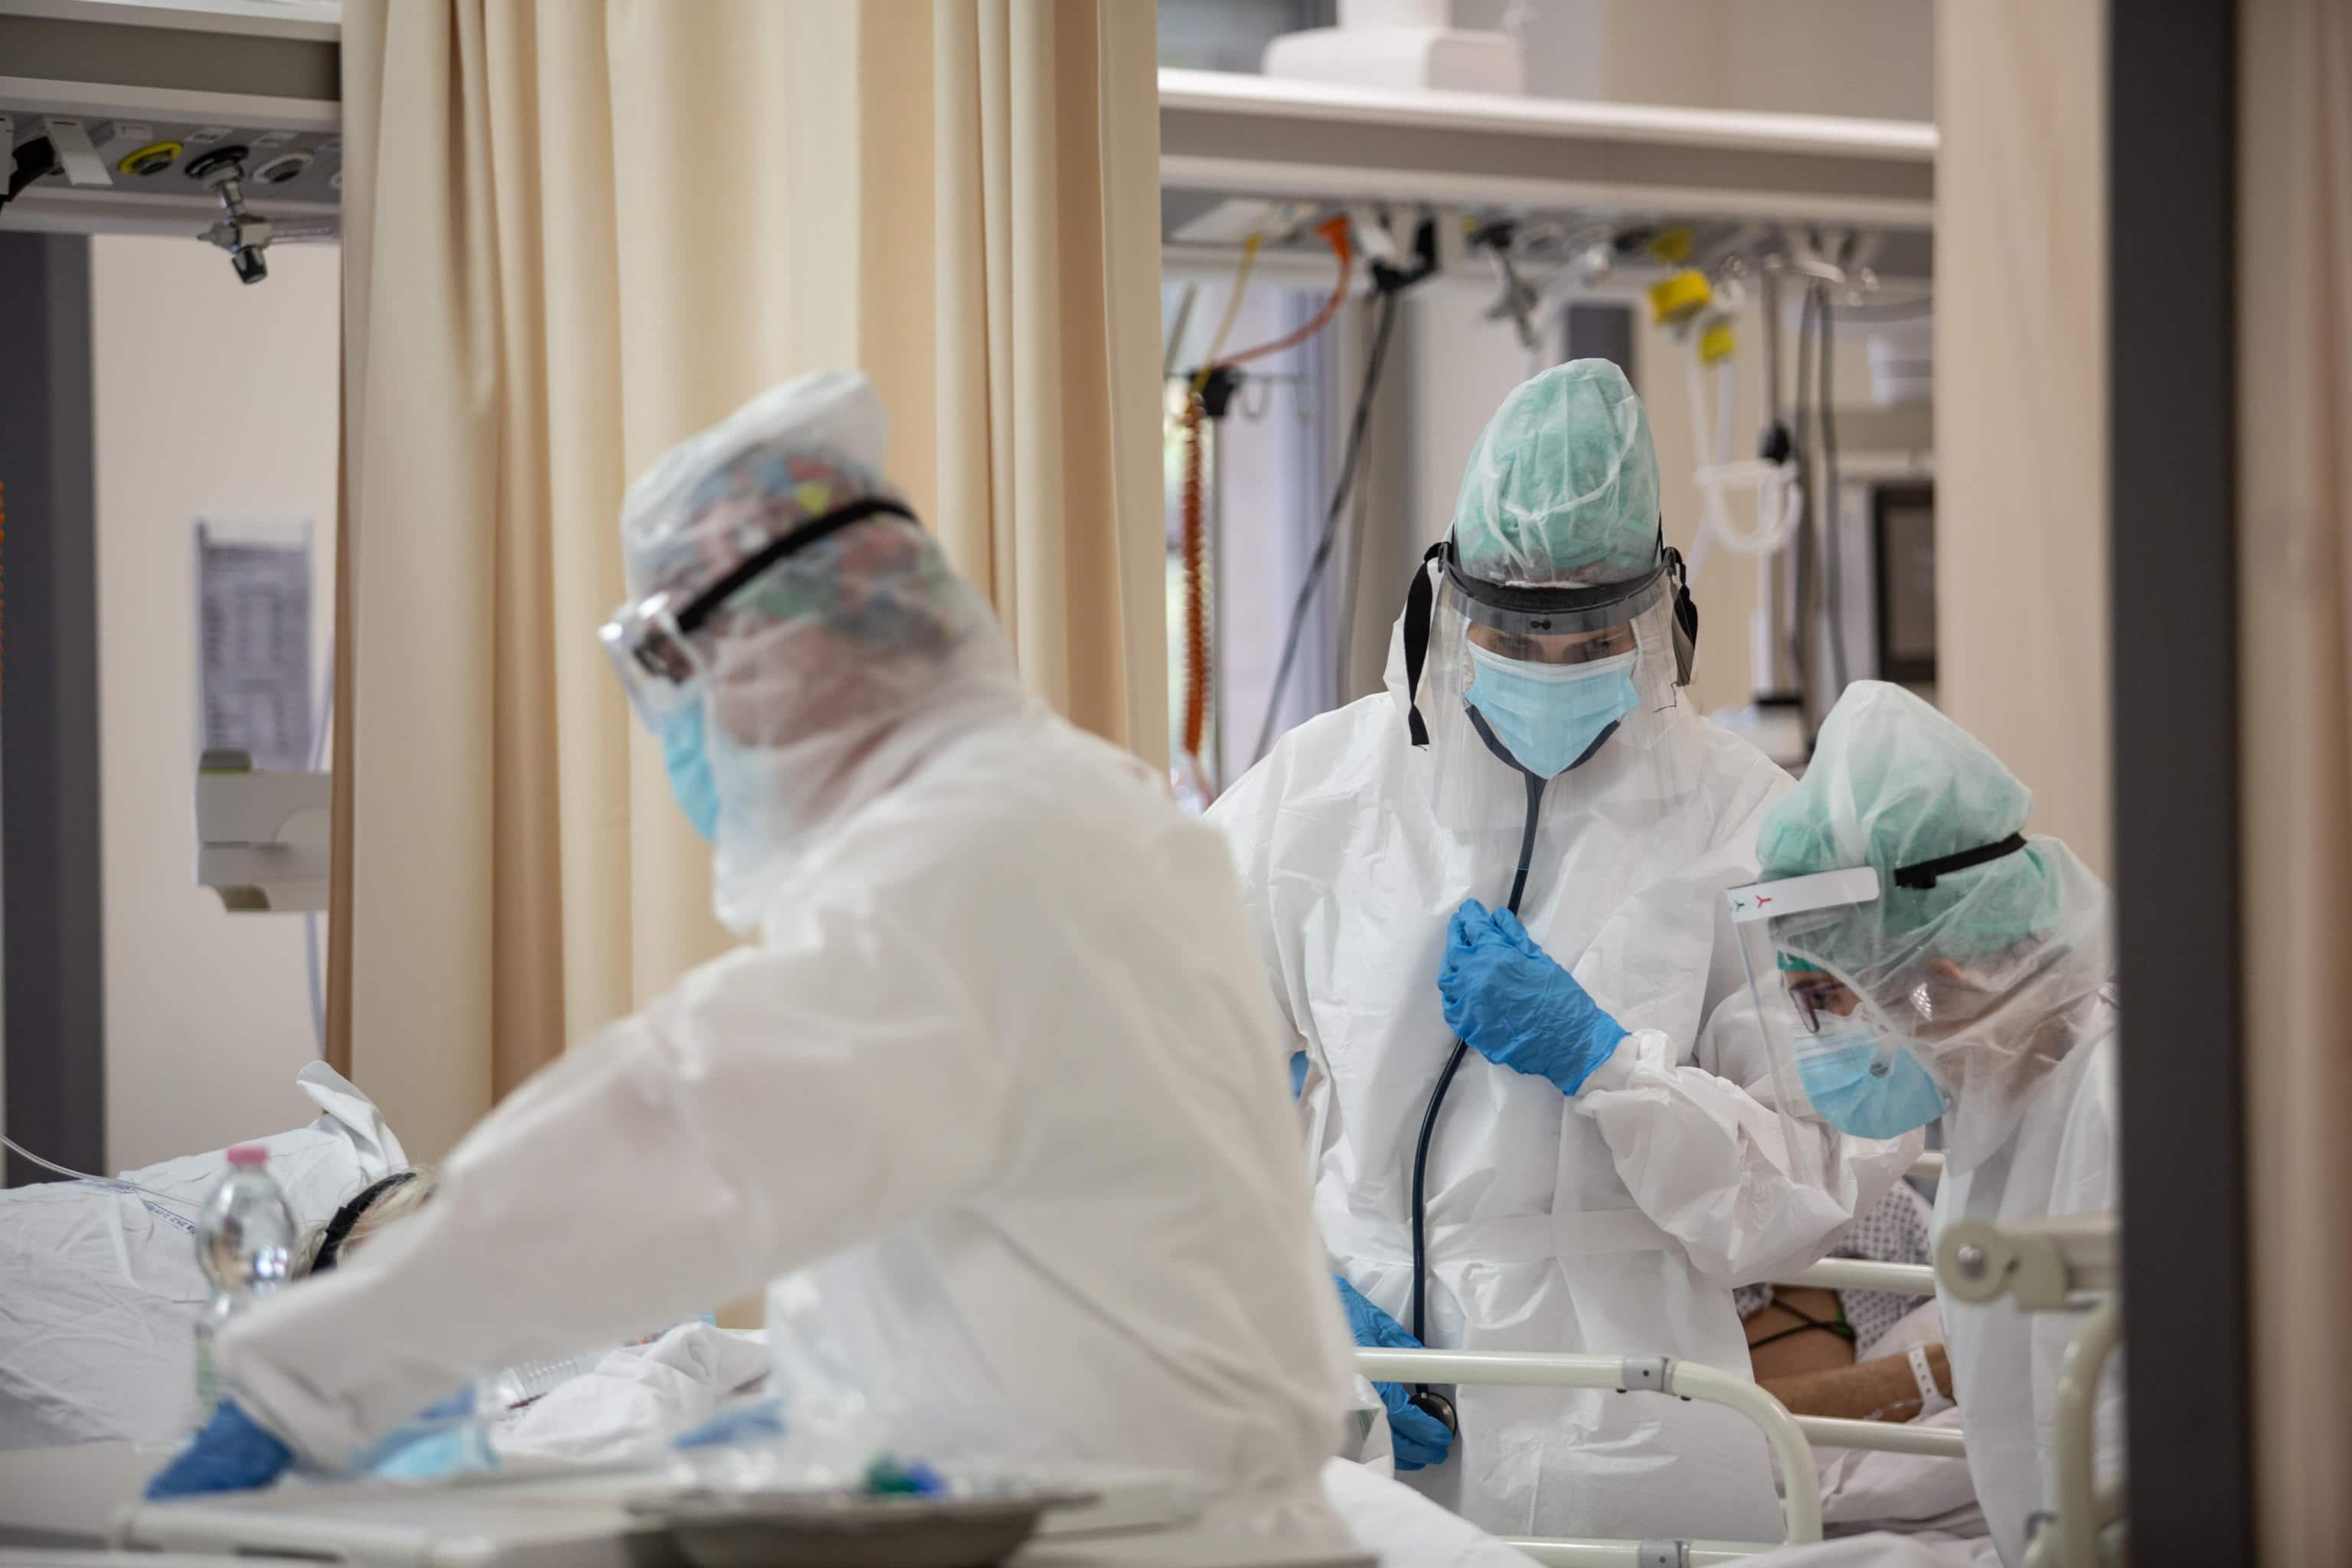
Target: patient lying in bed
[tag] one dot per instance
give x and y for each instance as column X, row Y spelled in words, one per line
column 1849, row 1354
column 100, row 1287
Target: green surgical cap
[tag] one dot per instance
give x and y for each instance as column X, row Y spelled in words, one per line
column 1563, row 487
column 1894, row 783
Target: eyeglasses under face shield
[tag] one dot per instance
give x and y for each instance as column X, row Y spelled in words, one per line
column 1826, row 1044
column 660, row 644
column 1846, row 990
column 1543, row 616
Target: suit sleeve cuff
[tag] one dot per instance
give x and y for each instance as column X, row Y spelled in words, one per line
column 1640, row 1048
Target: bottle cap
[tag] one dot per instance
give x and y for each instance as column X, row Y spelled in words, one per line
column 244, row 1154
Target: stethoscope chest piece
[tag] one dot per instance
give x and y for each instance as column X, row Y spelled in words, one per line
column 1436, row 1406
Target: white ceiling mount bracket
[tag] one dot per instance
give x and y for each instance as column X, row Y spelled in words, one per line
column 76, row 156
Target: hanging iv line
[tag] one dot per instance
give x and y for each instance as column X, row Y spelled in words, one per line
column 1780, row 495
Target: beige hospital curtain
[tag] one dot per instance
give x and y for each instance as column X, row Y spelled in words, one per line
column 2294, row 476
column 575, row 233
column 1012, row 316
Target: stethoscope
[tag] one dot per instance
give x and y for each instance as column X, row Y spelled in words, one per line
column 1539, row 607
column 1424, row 1397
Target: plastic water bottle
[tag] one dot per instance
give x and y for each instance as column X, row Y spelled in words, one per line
column 245, row 1244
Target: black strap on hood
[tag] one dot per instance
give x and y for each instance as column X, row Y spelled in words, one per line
column 1921, row 875
column 1418, row 601
column 703, row 604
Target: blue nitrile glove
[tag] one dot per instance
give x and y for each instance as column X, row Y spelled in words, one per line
column 1515, row 1006
column 441, row 1440
column 1298, row 1073
column 436, row 1456
column 1418, row 1438
column 232, row 1453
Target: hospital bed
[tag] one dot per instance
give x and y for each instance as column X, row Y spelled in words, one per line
column 2058, row 1265
column 2063, row 1264
column 1654, row 1374
column 1791, row 1439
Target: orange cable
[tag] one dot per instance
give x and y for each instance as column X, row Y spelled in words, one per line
column 1196, row 589
column 1334, row 231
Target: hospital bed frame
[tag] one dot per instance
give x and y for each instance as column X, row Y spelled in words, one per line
column 2066, row 1263
column 2063, row 1264
column 1791, row 1439
column 1631, row 1375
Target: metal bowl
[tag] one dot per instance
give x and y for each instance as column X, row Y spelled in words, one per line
column 849, row 1530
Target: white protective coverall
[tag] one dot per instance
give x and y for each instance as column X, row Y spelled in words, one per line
column 999, row 1061
column 1986, row 956
column 1615, row 1222
column 2062, row 1159
column 2005, row 1364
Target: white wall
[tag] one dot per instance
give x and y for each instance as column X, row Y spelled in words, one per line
column 1869, row 58
column 214, row 399
column 1872, row 57
column 1462, row 366
column 2020, row 417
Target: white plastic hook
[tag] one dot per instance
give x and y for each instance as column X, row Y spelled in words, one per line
column 1779, row 501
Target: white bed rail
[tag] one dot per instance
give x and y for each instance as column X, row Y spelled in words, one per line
column 1883, row 1436
column 1860, row 1274
column 1801, row 1478
column 2087, row 1531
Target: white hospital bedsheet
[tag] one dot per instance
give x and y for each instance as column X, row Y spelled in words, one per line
column 100, row 1287
column 1405, row 1529
column 637, row 1398
column 1863, row 1489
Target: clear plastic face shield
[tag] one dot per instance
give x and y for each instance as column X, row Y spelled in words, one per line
column 660, row 645
column 1575, row 685
column 1841, row 1056
column 1953, row 989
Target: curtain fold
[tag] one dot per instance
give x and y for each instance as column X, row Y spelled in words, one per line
column 575, row 233
column 2294, row 468
column 1018, row 324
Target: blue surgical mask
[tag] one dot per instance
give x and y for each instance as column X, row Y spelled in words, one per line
column 688, row 760
column 1861, row 1090
column 1550, row 714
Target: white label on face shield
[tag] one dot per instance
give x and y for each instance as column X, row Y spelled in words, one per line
column 1798, row 895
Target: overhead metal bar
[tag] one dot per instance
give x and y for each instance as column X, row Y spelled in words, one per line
column 1251, row 135
column 156, row 63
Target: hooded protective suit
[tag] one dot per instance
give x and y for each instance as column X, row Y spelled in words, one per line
column 1996, row 977
column 999, row 1063
column 1616, row 1220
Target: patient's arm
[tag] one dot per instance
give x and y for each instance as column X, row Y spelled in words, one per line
column 1880, row 1390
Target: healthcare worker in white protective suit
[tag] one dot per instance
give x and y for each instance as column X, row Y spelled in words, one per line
column 1490, row 905
column 996, row 1057
column 1915, row 956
